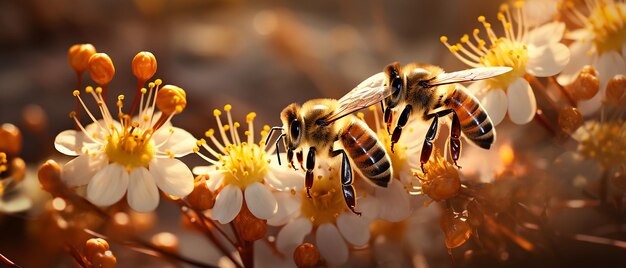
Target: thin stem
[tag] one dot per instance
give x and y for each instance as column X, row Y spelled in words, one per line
column 213, row 225
column 543, row 120
column 561, row 88
column 76, row 255
column 8, row 262
column 137, row 97
column 79, row 81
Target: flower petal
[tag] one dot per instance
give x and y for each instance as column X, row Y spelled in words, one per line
column 81, row 169
column 522, row 103
column 281, row 177
column 143, row 195
column 395, row 200
column 292, row 235
column 369, row 208
column 495, row 103
column 353, row 228
column 579, row 57
column 177, row 140
column 68, row 142
column 260, row 201
column 227, row 204
column 288, row 208
column 546, row 34
column 108, row 185
column 478, row 88
column 548, row 60
column 330, row 244
column 172, row 176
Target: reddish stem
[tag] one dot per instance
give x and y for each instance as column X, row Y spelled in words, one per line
column 569, row 97
column 137, row 97
column 8, row 262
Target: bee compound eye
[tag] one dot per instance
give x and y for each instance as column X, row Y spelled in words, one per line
column 396, row 84
column 294, row 130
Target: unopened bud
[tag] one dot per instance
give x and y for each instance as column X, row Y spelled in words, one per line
column 306, row 255
column 104, row 260
column 94, row 246
column 171, row 99
column 249, row 227
column 144, row 65
column 50, row 178
column 166, row 241
column 10, row 139
column 101, row 68
column 570, row 119
column 616, row 90
column 78, row 56
column 17, row 166
column 201, row 198
column 586, row 84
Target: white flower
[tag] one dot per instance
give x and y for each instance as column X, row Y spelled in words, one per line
column 325, row 215
column 243, row 171
column 127, row 157
column 535, row 52
column 601, row 42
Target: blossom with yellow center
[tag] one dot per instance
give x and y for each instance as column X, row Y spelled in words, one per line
column 600, row 42
column 603, row 142
column 535, row 52
column 242, row 170
column 125, row 155
column 325, row 215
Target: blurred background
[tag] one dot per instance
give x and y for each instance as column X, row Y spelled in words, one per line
column 256, row 55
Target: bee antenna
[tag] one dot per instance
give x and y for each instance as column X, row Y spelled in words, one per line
column 277, row 150
column 269, row 135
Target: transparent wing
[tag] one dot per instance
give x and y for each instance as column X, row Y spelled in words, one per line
column 468, row 75
column 369, row 92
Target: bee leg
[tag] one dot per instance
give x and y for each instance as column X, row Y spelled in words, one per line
column 346, row 180
column 300, row 157
column 388, row 114
column 455, row 141
column 290, row 158
column 402, row 120
column 277, row 149
column 427, row 148
column 310, row 165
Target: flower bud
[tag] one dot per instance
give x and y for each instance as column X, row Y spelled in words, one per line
column 17, row 166
column 201, row 198
column 10, row 139
column 570, row 119
column 249, row 227
column 104, row 260
column 144, row 65
column 586, row 84
column 456, row 230
column 94, row 246
column 306, row 255
column 78, row 56
column 616, row 90
column 50, row 178
column 166, row 241
column 442, row 180
column 171, row 99
column 101, row 68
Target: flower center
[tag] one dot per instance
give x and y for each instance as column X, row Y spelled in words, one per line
column 131, row 148
column 605, row 143
column 607, row 23
column 245, row 163
column 506, row 52
column 326, row 202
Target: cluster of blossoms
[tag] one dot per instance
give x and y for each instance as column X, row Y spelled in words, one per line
column 134, row 152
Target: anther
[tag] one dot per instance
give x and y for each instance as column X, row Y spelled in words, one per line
column 227, row 107
column 443, row 39
column 217, row 112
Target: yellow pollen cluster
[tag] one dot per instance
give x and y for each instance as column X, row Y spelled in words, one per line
column 441, row 180
column 326, row 202
column 507, row 50
column 607, row 22
column 3, row 162
column 131, row 147
column 604, row 142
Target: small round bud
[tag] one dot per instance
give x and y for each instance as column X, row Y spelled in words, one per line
column 306, row 255
column 171, row 99
column 104, row 260
column 95, row 246
column 10, row 139
column 50, row 178
column 166, row 241
column 201, row 198
column 616, row 90
column 586, row 84
column 78, row 56
column 249, row 227
column 101, row 68
column 570, row 119
column 144, row 65
column 455, row 230
column 17, row 166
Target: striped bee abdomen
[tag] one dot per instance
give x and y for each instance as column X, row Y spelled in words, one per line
column 475, row 122
column 367, row 153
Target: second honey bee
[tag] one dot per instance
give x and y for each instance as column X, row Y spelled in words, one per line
column 429, row 92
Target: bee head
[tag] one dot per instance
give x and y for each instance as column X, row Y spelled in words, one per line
column 293, row 125
column 396, row 82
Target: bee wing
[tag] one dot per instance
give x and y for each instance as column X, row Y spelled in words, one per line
column 468, row 75
column 367, row 93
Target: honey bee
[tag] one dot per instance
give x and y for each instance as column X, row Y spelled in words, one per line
column 429, row 92
column 319, row 123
